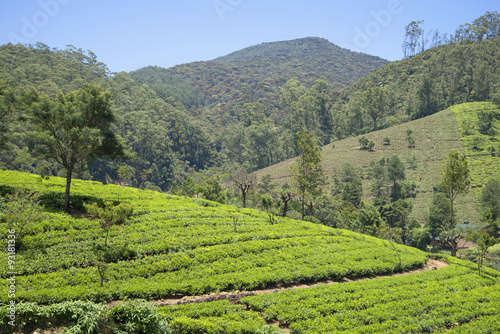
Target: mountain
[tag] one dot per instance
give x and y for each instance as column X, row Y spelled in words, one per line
column 256, row 75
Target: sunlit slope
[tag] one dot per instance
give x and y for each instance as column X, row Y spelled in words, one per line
column 435, row 136
column 176, row 245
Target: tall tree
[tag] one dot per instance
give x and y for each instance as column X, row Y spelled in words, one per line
column 455, row 178
column 321, row 104
column 412, row 42
column 307, row 171
column 291, row 93
column 439, row 214
column 490, row 200
column 7, row 100
column 74, row 129
column 350, row 184
column 374, row 102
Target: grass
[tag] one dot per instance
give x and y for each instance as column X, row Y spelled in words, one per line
column 484, row 165
column 435, row 136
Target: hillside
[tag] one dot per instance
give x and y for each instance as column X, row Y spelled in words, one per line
column 256, row 74
column 176, row 246
column 435, row 137
column 428, row 82
column 159, row 132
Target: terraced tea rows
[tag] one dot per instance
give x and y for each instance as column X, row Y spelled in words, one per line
column 174, row 245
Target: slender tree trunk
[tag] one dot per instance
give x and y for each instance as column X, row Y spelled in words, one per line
column 303, row 193
column 452, row 213
column 69, row 173
column 244, row 196
column 285, row 208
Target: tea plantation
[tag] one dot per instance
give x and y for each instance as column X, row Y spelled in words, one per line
column 176, row 246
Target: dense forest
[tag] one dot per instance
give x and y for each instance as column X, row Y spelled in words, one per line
column 244, row 110
column 159, row 134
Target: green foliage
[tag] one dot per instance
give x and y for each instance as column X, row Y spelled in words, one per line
column 159, row 133
column 370, row 221
column 172, row 245
column 350, row 184
column 455, row 178
column 439, row 215
column 307, row 171
column 387, row 141
column 212, row 190
column 369, row 304
column 484, row 242
column 7, row 101
column 490, row 198
column 419, row 238
column 366, row 144
column 137, row 316
column 214, row 317
column 188, row 187
column 131, row 317
column 74, row 129
column 485, row 122
column 21, row 211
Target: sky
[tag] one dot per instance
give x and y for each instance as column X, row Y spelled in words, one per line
column 127, row 35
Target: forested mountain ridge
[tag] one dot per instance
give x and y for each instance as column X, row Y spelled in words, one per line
column 432, row 80
column 257, row 73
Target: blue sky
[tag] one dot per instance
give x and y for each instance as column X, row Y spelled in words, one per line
column 128, row 35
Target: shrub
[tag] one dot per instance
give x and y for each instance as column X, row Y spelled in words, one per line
column 137, row 316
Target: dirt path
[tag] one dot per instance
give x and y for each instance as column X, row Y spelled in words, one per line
column 235, row 296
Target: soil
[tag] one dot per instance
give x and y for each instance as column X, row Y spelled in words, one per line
column 235, row 296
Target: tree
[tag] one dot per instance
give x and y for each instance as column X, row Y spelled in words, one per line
column 244, row 182
column 212, row 190
column 7, row 101
column 21, row 211
column 455, row 178
column 426, row 98
column 366, row 144
column 286, row 195
column 439, row 215
column 321, row 100
column 369, row 219
column 378, row 174
column 350, row 184
column 412, row 44
column 110, row 215
column 485, row 122
column 125, row 173
column 188, row 187
column 397, row 216
column 490, row 198
column 291, row 93
column 307, row 171
column 74, row 129
column 374, row 102
column 395, row 173
column 483, row 241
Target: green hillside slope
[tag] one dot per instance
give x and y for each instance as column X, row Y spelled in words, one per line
column 175, row 245
column 435, row 137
